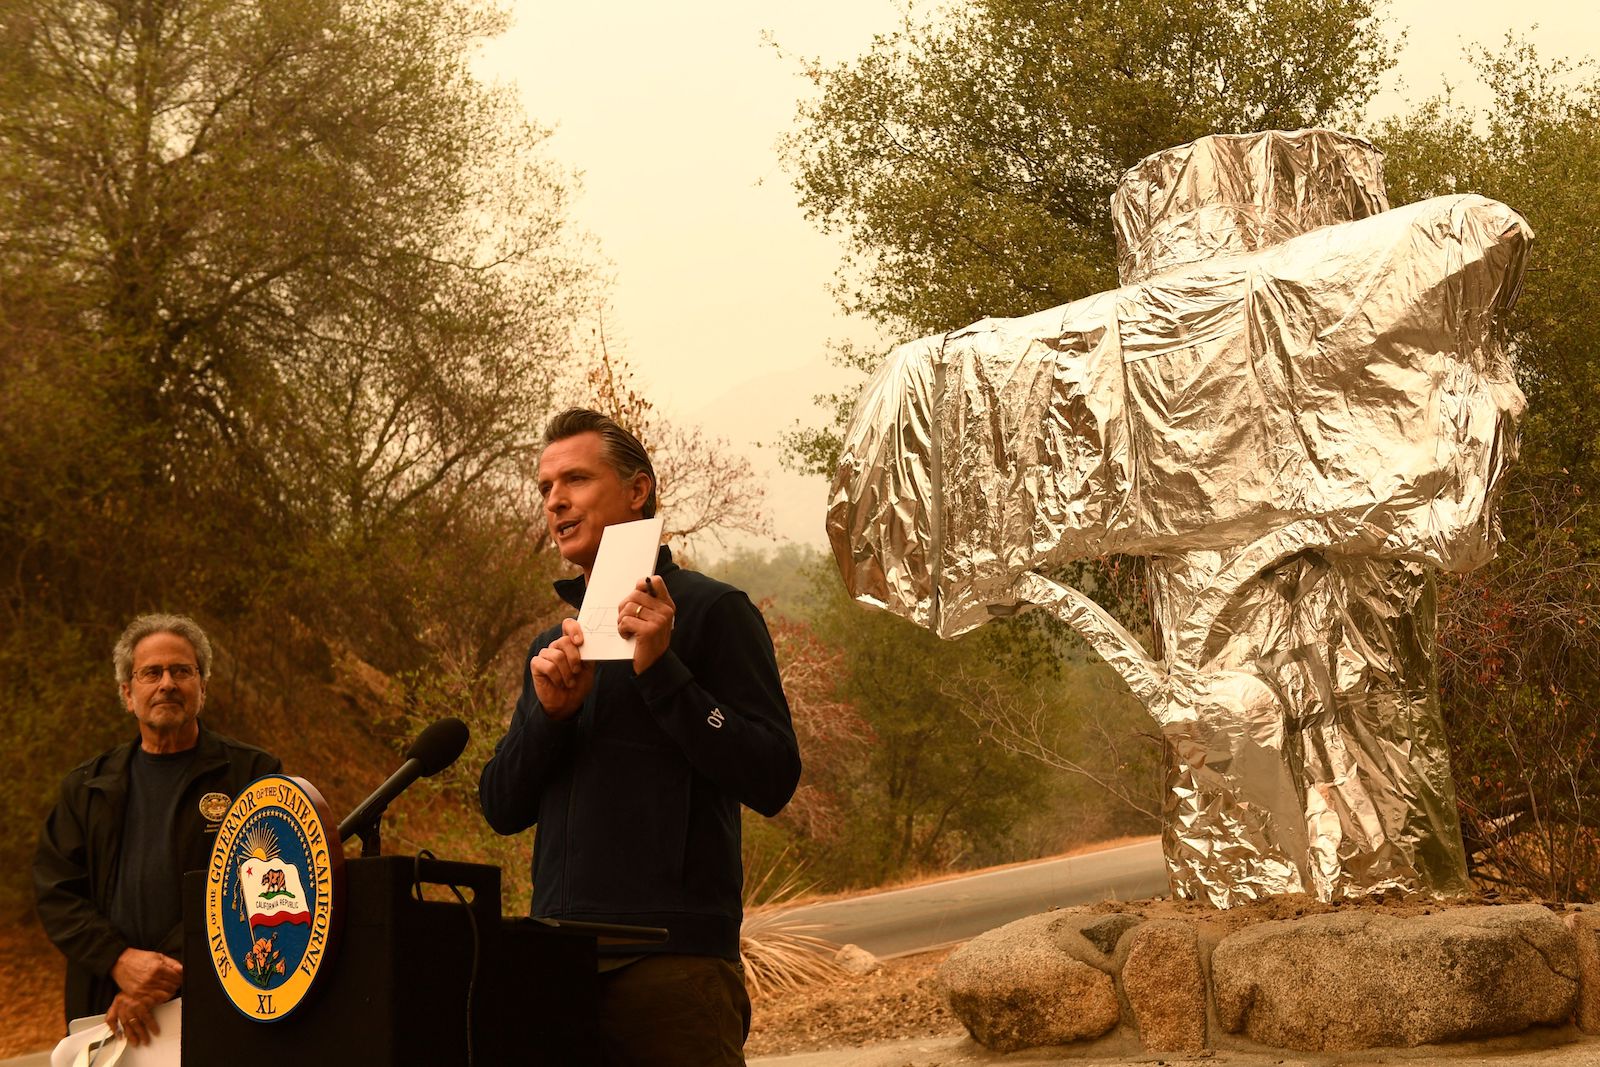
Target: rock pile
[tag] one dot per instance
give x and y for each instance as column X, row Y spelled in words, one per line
column 1335, row 979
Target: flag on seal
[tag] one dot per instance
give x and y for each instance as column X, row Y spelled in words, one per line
column 271, row 893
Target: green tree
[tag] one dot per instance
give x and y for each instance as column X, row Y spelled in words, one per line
column 935, row 790
column 782, row 580
column 969, row 163
column 282, row 286
column 1520, row 663
column 288, row 270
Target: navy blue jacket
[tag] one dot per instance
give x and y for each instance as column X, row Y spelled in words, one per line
column 637, row 796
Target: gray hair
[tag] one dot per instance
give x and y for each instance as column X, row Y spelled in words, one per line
column 144, row 626
column 622, row 450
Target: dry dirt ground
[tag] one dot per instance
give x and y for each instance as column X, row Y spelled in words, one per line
column 31, row 977
column 854, row 1010
column 897, row 1001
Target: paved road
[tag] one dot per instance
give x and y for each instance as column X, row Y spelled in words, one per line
column 899, row 921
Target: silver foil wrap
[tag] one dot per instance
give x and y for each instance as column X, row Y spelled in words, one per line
column 1298, row 403
column 1220, row 196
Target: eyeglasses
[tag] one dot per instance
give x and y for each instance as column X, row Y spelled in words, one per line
column 181, row 672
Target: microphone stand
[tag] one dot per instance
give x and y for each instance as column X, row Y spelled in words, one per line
column 437, row 748
column 370, row 835
column 365, row 821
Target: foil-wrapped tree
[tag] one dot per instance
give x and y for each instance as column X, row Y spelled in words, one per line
column 1297, row 405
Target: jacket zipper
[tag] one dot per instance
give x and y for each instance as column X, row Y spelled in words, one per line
column 585, row 732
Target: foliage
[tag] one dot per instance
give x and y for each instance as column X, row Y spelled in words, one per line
column 942, row 786
column 54, row 668
column 1519, row 668
column 299, row 269
column 279, row 288
column 458, row 585
column 1519, row 671
column 968, row 162
column 779, row 579
column 833, row 738
column 445, row 808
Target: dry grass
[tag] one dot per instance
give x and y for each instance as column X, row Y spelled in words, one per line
column 779, row 954
column 852, row 1011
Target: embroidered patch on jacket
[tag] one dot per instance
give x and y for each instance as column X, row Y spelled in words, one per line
column 213, row 806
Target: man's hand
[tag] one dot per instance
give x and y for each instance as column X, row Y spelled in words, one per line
column 646, row 616
column 561, row 678
column 147, row 975
column 145, row 979
column 133, row 1016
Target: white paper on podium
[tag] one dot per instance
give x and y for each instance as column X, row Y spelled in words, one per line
column 90, row 1042
column 627, row 553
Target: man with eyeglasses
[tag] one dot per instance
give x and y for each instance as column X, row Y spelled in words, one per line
column 130, row 821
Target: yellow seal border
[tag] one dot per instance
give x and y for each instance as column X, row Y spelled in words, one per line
column 299, row 802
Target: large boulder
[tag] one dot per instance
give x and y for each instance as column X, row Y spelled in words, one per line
column 1166, row 987
column 1585, row 926
column 1018, row 987
column 1348, row 981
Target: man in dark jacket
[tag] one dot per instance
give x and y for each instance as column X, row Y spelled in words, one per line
column 130, row 821
column 635, row 771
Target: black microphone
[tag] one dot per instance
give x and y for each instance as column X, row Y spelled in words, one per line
column 440, row 745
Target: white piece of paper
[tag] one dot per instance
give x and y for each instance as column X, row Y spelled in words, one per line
column 90, row 1042
column 627, row 554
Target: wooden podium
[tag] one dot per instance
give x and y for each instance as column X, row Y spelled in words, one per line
column 410, row 980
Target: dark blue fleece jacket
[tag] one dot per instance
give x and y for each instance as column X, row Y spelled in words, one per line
column 637, row 796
